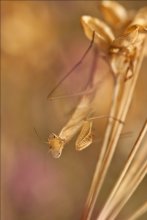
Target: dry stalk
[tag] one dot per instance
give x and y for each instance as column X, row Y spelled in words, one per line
column 139, row 177
column 139, row 212
column 123, row 92
column 124, row 184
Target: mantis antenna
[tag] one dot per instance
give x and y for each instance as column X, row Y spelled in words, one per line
column 72, row 95
column 74, row 67
column 40, row 137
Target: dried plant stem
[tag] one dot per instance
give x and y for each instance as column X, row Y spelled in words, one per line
column 94, row 187
column 133, row 186
column 121, row 102
column 139, row 212
column 123, row 181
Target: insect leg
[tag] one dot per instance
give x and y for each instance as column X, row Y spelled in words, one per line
column 105, row 116
column 74, row 67
column 86, row 91
column 39, row 137
column 72, row 95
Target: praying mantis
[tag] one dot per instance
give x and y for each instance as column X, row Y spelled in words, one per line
column 79, row 118
column 100, row 35
column 85, row 138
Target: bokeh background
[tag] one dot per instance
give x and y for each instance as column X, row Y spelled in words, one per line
column 40, row 42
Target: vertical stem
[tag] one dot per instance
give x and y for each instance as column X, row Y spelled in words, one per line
column 125, row 173
column 121, row 102
column 139, row 212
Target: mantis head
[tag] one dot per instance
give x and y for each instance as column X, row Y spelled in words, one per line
column 56, row 145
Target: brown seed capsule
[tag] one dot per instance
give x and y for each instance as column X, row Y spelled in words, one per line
column 103, row 33
column 140, row 20
column 114, row 13
column 127, row 39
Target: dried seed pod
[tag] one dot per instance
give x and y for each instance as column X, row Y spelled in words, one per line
column 85, row 137
column 126, row 40
column 126, row 45
column 132, row 27
column 114, row 13
column 103, row 33
column 140, row 20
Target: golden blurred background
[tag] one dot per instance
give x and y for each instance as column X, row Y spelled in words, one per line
column 40, row 42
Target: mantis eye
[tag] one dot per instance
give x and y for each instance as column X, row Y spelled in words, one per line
column 51, row 136
column 57, row 155
column 50, row 147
